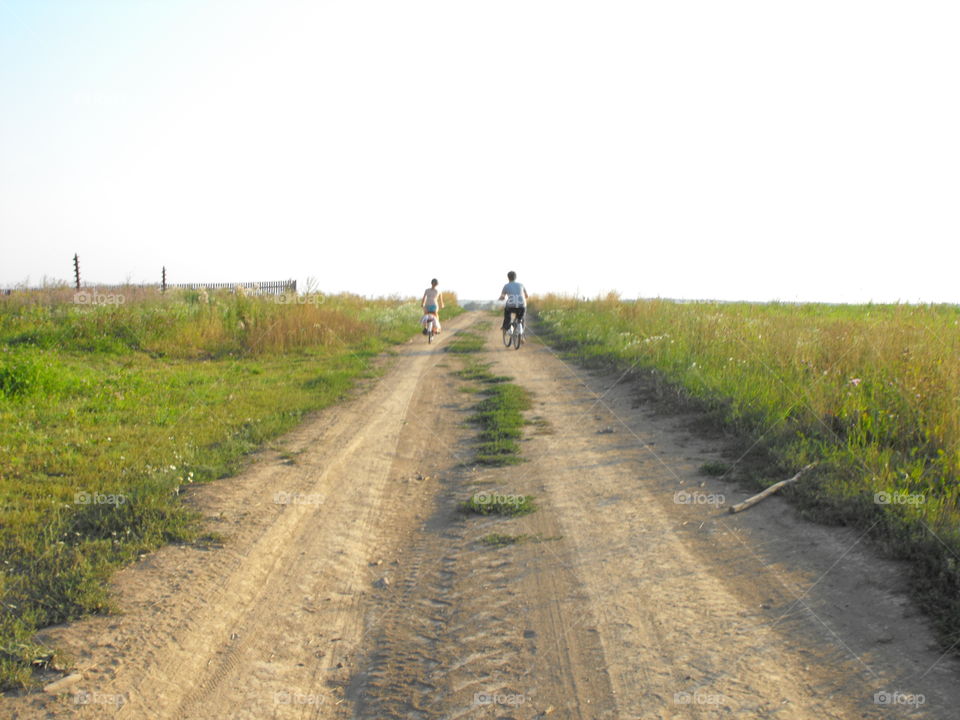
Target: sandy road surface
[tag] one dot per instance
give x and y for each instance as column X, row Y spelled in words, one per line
column 350, row 586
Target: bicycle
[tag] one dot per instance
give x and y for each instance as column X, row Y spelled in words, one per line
column 430, row 328
column 514, row 334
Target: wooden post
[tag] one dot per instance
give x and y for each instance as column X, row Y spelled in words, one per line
column 76, row 270
column 163, row 280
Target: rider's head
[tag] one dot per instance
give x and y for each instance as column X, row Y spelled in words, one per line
column 511, row 276
column 434, row 282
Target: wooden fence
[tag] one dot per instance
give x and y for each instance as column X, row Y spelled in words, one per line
column 271, row 287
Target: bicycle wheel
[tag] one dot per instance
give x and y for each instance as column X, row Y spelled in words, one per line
column 507, row 336
column 429, row 334
column 517, row 336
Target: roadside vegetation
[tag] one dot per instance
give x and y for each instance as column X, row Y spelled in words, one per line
column 872, row 392
column 109, row 411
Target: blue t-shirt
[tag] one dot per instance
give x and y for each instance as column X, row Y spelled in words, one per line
column 514, row 292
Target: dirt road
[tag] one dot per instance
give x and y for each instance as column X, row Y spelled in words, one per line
column 350, row 586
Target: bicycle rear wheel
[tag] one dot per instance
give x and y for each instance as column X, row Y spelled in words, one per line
column 517, row 336
column 507, row 336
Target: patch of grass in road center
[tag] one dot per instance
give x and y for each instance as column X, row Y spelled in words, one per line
column 542, row 425
column 465, row 341
column 500, row 417
column 480, row 372
column 494, row 503
column 498, row 540
column 499, row 414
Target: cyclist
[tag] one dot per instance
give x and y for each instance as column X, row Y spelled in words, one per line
column 431, row 302
column 516, row 296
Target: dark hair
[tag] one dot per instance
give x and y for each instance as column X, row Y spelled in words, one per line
column 511, row 276
column 434, row 282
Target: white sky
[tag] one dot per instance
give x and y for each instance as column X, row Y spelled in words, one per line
column 680, row 148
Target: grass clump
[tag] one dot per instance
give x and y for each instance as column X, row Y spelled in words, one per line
column 464, row 342
column 493, row 503
column 715, row 468
column 498, row 540
column 480, row 372
column 500, row 417
column 499, row 414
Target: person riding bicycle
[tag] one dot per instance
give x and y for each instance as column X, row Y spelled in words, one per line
column 431, row 302
column 516, row 296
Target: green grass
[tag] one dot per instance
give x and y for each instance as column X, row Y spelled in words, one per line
column 542, row 425
column 480, row 372
column 108, row 413
column 501, row 421
column 498, row 540
column 499, row 414
column 464, row 342
column 495, row 503
column 715, row 468
column 872, row 392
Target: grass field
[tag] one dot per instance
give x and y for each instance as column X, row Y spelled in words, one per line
column 872, row 392
column 108, row 410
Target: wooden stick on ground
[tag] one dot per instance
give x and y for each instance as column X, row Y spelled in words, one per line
column 769, row 491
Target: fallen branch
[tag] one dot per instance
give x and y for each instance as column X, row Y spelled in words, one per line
column 769, row 491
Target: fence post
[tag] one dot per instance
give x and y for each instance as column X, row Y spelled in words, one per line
column 76, row 270
column 163, row 280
